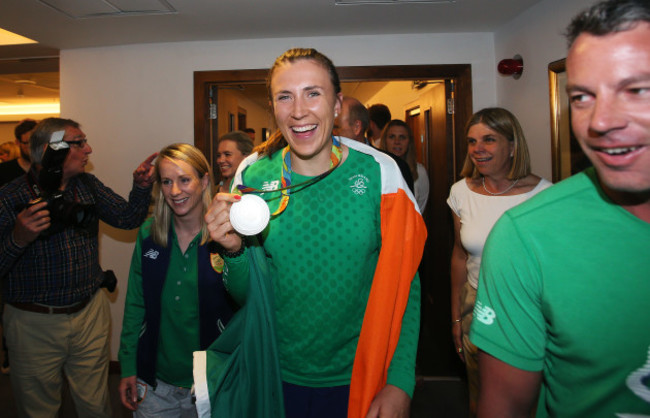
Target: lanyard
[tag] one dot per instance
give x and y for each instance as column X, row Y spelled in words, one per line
column 335, row 160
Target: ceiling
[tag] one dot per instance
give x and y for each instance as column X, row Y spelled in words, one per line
column 69, row 24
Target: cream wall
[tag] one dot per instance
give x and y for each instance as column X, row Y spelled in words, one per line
column 536, row 35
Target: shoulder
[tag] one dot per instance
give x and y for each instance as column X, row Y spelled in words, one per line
column 459, row 187
column 562, row 197
column 144, row 233
column 391, row 177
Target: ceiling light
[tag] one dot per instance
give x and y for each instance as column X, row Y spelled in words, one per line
column 85, row 9
column 10, row 38
column 30, row 109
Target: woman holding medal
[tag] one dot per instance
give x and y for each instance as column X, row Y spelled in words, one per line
column 345, row 289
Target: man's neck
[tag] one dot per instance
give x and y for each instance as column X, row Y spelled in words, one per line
column 23, row 163
column 638, row 204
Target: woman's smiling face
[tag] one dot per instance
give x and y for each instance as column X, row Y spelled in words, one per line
column 305, row 106
column 182, row 188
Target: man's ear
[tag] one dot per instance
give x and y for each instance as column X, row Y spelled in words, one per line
column 358, row 131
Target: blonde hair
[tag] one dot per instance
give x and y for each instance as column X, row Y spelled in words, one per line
column 162, row 213
column 12, row 149
column 410, row 154
column 505, row 123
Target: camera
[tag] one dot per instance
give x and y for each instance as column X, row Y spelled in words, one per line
column 109, row 281
column 63, row 213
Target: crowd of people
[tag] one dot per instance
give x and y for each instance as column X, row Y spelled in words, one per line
column 549, row 283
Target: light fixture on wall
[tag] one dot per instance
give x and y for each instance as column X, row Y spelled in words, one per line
column 511, row 67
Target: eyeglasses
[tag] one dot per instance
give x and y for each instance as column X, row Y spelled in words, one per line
column 78, row 144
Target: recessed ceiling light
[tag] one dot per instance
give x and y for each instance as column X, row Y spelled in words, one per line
column 85, row 9
column 10, row 38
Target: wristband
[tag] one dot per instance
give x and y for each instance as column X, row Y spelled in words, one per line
column 234, row 254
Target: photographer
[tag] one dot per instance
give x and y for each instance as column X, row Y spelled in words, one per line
column 55, row 319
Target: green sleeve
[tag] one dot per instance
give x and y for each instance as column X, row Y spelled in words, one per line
column 133, row 313
column 401, row 372
column 236, row 276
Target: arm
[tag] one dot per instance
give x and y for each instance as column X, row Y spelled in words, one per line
column 235, row 276
column 458, row 280
column 115, row 210
column 133, row 315
column 506, row 391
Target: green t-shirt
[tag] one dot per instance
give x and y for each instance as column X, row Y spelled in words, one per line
column 565, row 289
column 179, row 318
column 323, row 250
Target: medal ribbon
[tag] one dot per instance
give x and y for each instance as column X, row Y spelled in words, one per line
column 335, row 159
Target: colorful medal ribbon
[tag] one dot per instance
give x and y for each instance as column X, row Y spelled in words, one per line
column 335, row 159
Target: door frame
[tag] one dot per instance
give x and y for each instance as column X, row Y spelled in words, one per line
column 461, row 73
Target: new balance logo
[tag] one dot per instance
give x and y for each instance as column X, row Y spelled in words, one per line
column 152, row 254
column 484, row 314
column 271, row 185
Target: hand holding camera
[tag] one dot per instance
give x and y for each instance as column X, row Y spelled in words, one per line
column 30, row 223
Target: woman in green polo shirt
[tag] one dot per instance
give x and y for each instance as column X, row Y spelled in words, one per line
column 176, row 303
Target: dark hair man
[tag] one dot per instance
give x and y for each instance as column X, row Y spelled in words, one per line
column 379, row 117
column 14, row 168
column 251, row 133
column 565, row 277
column 56, row 319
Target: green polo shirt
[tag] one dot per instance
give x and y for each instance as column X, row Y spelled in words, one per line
column 179, row 319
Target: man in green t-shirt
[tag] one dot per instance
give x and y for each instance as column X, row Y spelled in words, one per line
column 562, row 314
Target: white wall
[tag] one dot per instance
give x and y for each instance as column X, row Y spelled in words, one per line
column 536, row 35
column 133, row 100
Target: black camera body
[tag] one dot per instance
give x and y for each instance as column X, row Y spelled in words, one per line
column 63, row 213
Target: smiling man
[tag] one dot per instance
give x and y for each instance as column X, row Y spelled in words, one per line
column 56, row 319
column 562, row 314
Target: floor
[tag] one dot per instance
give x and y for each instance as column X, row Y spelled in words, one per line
column 438, row 397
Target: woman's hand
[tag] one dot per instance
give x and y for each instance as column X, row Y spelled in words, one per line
column 128, row 392
column 390, row 402
column 218, row 220
column 457, row 334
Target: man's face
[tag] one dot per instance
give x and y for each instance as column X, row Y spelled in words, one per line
column 609, row 91
column 23, row 143
column 77, row 158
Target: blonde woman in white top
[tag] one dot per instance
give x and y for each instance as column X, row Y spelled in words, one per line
column 496, row 177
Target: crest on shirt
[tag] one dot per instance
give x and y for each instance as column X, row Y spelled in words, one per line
column 358, row 184
column 217, row 262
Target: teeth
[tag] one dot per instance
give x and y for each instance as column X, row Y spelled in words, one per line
column 618, row 151
column 179, row 201
column 304, row 128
